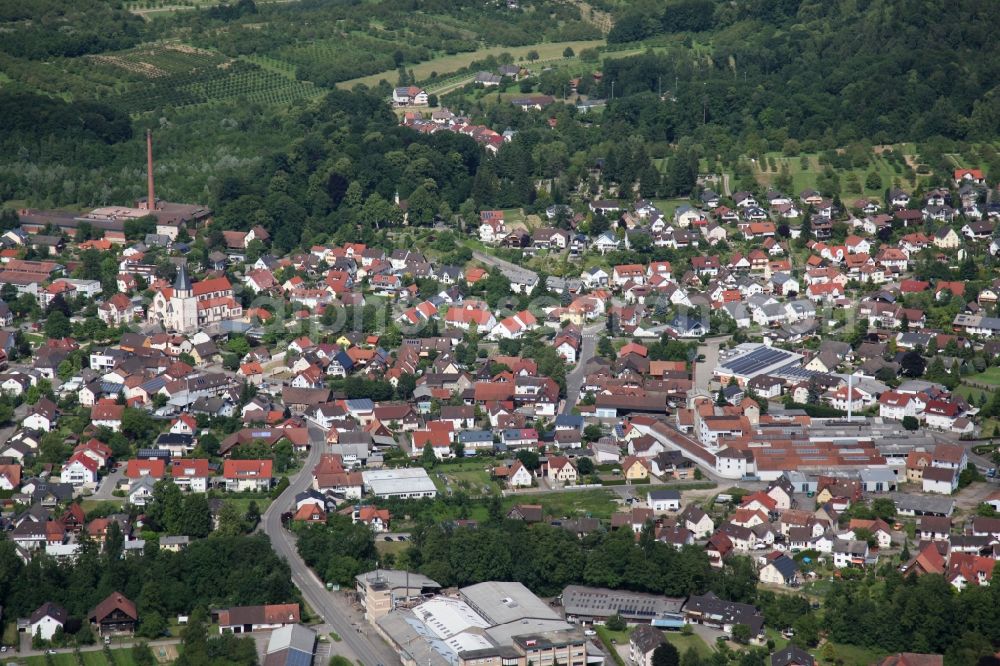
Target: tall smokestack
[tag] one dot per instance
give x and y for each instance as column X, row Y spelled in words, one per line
column 150, row 194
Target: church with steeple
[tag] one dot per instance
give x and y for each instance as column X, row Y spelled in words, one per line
column 187, row 307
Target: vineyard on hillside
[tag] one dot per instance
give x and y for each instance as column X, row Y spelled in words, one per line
column 175, row 75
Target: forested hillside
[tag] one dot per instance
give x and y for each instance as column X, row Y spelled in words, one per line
column 238, row 99
column 46, row 28
column 887, row 70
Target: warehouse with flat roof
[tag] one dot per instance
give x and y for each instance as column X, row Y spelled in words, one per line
column 749, row 360
column 488, row 623
column 402, row 483
column 597, row 604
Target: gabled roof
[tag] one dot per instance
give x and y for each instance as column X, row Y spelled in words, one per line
column 247, row 469
column 49, row 609
column 116, row 601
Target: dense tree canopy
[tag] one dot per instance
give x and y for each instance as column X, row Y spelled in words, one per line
column 547, row 558
column 888, row 70
column 218, row 571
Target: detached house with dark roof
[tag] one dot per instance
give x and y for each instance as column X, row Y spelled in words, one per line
column 780, row 569
column 115, row 615
column 48, row 618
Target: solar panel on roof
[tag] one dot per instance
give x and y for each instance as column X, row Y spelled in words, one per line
column 298, row 658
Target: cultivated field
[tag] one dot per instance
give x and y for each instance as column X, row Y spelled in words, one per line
column 176, row 75
column 451, row 63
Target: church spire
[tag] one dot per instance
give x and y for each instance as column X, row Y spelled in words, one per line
column 183, row 282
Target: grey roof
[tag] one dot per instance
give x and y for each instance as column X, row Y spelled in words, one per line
column 569, row 420
column 852, row 547
column 923, row 503
column 142, row 482
column 791, row 655
column 421, row 646
column 664, row 495
column 293, row 637
column 183, row 282
column 728, row 612
column 467, row 436
column 408, row 583
column 501, row 602
column 647, row 638
column 600, row 602
column 49, row 609
column 786, row 566
column 877, row 474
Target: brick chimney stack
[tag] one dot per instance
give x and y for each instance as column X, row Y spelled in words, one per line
column 150, row 194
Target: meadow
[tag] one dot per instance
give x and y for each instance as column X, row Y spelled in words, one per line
column 452, row 63
column 807, row 170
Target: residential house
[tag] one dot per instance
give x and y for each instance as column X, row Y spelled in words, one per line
column 661, row 501
column 780, row 569
column 242, row 475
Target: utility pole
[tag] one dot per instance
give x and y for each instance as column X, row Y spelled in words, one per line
column 612, row 90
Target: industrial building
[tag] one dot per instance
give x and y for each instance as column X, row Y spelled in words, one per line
column 488, row 624
column 382, row 591
column 750, row 360
column 587, row 605
column 401, row 483
column 292, row 645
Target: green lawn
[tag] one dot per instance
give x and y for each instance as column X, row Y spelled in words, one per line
column 806, row 178
column 89, row 505
column 684, row 643
column 394, row 547
column 680, row 641
column 668, row 206
column 122, row 657
column 597, row 503
column 243, row 504
column 8, row 635
column 990, row 376
column 472, row 481
column 471, row 477
column 607, row 636
column 970, row 392
column 851, row 655
column 775, row 635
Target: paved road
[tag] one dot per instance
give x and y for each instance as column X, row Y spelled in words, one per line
column 19, row 413
column 502, row 264
column 574, row 379
column 365, row 648
column 108, row 484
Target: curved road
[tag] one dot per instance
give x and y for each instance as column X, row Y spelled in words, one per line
column 333, row 607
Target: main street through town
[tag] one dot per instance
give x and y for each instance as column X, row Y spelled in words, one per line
column 359, row 641
column 574, row 378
